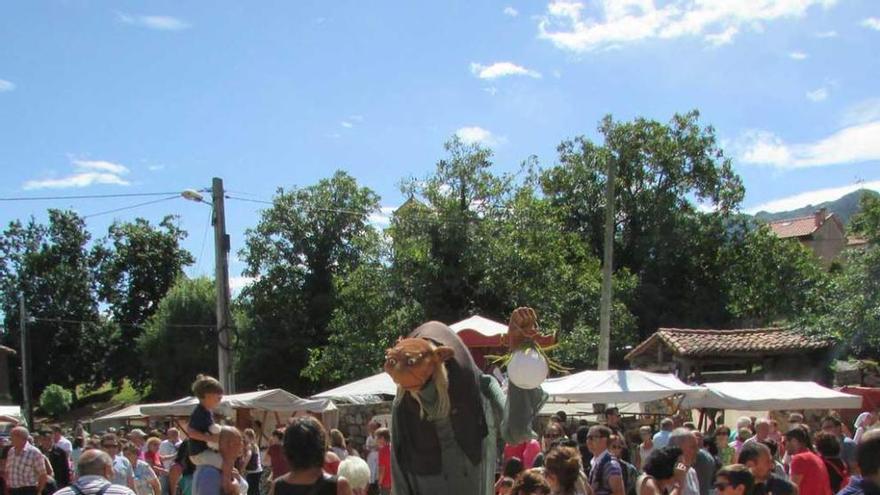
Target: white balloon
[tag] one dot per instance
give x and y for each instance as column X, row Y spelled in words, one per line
column 527, row 369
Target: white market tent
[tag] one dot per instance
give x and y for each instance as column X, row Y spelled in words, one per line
column 11, row 411
column 274, row 400
column 364, row 391
column 483, row 326
column 616, row 387
column 275, row 405
column 770, row 396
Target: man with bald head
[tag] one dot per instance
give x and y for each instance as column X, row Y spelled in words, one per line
column 95, row 468
column 208, row 480
column 25, row 467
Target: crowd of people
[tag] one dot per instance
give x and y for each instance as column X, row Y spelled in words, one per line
column 755, row 458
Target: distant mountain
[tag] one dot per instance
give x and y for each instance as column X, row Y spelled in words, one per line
column 845, row 207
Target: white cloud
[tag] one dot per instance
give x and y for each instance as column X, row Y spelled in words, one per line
column 501, row 69
column 872, row 23
column 817, row 95
column 476, row 134
column 6, row 85
column 723, row 38
column 798, row 56
column 382, row 218
column 238, row 283
column 156, row 168
column 157, row 22
column 510, row 11
column 492, row 90
column 827, row 34
column 346, row 124
column 862, row 112
column 812, row 197
column 571, row 25
column 86, row 173
column 854, row 144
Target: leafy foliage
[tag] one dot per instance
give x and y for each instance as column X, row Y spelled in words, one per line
column 301, row 245
column 55, row 400
column 180, row 339
column 136, row 265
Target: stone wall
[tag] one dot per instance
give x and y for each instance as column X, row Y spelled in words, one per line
column 353, row 419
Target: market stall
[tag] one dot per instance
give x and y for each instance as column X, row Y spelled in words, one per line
column 369, row 390
column 271, row 408
column 770, row 396
column 616, row 387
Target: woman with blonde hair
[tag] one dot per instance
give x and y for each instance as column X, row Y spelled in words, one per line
column 337, row 444
column 253, row 467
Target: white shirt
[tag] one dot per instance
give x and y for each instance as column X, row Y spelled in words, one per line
column 91, row 485
column 168, row 448
column 65, row 445
column 691, row 483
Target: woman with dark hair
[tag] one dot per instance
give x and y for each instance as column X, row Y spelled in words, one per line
column 828, row 447
column 510, row 471
column 305, row 444
column 806, row 469
column 664, row 473
column 562, row 468
column 180, row 474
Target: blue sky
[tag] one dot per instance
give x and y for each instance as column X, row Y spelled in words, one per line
column 100, row 97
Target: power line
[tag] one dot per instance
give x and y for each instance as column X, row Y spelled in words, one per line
column 88, row 196
column 130, row 207
column 93, row 322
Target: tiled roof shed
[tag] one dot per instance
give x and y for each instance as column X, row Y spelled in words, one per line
column 697, row 343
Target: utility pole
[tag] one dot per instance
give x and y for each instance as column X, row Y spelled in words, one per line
column 607, row 269
column 221, row 277
column 25, row 364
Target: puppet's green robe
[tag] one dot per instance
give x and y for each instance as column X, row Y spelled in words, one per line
column 509, row 418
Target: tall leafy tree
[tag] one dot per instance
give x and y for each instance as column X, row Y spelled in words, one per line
column 136, row 264
column 180, row 338
column 441, row 236
column 51, row 266
column 662, row 170
column 306, row 240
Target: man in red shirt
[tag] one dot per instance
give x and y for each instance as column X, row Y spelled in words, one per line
column 383, row 441
column 807, row 470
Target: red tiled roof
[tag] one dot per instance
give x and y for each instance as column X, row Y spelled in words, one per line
column 794, row 227
column 698, row 342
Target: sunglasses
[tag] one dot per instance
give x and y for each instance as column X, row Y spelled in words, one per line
column 552, row 435
column 721, row 486
column 595, row 437
column 615, row 447
column 110, row 446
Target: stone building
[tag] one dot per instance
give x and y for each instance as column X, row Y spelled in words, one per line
column 699, row 355
column 821, row 232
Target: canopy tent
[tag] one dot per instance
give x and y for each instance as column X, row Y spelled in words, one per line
column 120, row 417
column 12, row 412
column 478, row 331
column 240, row 407
column 364, row 391
column 275, row 400
column 615, row 387
column 770, row 396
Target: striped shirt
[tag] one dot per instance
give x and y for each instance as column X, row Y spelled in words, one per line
column 25, row 467
column 91, row 485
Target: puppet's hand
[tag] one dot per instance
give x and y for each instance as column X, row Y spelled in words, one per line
column 523, row 327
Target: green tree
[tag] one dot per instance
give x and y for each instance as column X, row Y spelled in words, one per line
column 867, row 221
column 662, row 169
column 55, row 400
column 441, row 236
column 180, row 339
column 302, row 244
column 768, row 279
column 50, row 265
column 136, row 264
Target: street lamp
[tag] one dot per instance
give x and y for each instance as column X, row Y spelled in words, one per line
column 221, row 278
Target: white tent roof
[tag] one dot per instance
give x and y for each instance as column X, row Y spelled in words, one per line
column 11, row 411
column 133, row 411
column 615, row 386
column 275, row 400
column 483, row 326
column 771, row 396
column 363, row 391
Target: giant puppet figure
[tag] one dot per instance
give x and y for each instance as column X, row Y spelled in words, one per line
column 447, row 415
